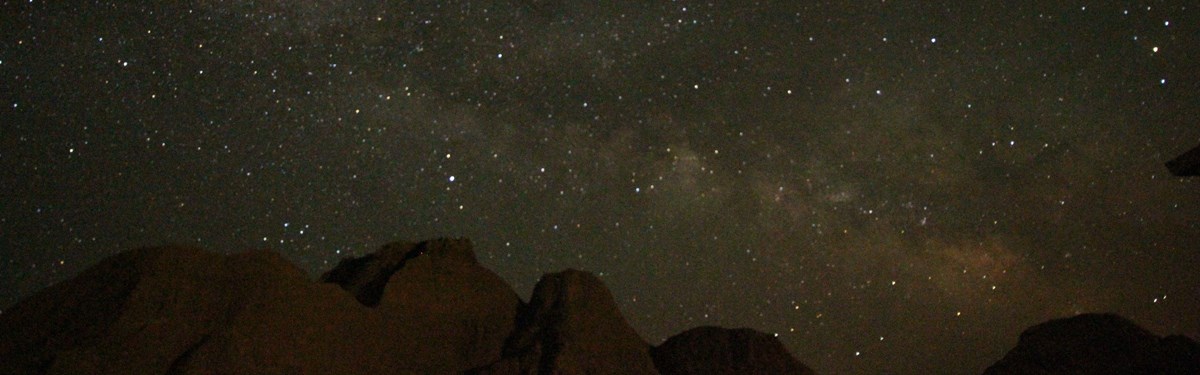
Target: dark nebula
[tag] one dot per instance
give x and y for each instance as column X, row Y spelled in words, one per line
column 888, row 186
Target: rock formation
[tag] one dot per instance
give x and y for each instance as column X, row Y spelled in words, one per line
column 572, row 326
column 1097, row 344
column 448, row 308
column 1186, row 165
column 409, row 308
column 431, row 308
column 715, row 350
column 183, row 310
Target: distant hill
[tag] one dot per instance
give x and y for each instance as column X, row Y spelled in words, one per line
column 1098, row 344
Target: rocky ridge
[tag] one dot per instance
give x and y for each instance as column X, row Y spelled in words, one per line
column 409, row 308
column 431, row 308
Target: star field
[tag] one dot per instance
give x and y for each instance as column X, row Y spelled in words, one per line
column 888, row 186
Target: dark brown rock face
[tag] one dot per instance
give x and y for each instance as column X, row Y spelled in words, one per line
column 573, row 326
column 1097, row 344
column 187, row 311
column 1186, row 165
column 366, row 277
column 409, row 308
column 182, row 311
column 715, row 350
column 448, row 308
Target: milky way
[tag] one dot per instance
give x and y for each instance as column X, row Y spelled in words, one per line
column 888, row 186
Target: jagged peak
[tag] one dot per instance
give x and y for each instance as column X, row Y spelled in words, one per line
column 572, row 325
column 367, row 276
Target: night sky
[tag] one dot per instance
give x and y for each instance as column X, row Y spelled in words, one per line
column 889, row 186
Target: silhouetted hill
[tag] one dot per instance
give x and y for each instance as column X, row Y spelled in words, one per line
column 716, row 350
column 1097, row 344
column 409, row 308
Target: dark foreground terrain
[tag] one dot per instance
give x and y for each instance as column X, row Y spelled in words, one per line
column 430, row 308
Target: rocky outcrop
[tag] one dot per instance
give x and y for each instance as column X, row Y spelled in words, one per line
column 572, row 326
column 1097, row 344
column 183, row 310
column 453, row 313
column 366, row 277
column 1186, row 165
column 431, row 308
column 409, row 308
column 715, row 350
